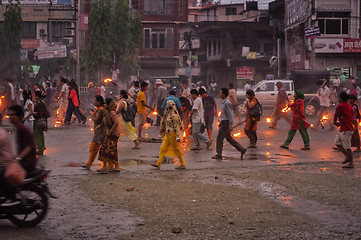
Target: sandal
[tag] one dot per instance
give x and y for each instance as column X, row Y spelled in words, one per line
column 284, row 146
column 348, row 166
column 155, row 165
column 102, row 170
column 137, row 147
column 181, row 167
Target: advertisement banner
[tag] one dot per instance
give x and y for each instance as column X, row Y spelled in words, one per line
column 352, row 45
column 30, row 43
column 245, row 72
column 51, row 52
column 329, row 45
column 83, row 22
column 40, row 2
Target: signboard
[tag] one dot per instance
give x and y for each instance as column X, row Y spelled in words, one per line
column 352, row 45
column 30, row 43
column 329, row 45
column 40, row 2
column 39, row 14
column 51, row 52
column 312, row 32
column 245, row 72
column 84, row 19
column 338, row 45
column 251, row 55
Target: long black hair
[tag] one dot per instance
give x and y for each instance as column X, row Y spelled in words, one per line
column 27, row 95
column 124, row 93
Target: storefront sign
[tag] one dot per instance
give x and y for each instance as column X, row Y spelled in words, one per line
column 312, row 32
column 84, row 19
column 352, row 45
column 329, row 45
column 245, row 72
column 51, row 52
column 30, row 43
column 338, row 45
column 251, row 55
column 38, row 2
column 39, row 14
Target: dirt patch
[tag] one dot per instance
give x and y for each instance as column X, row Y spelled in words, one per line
column 174, row 205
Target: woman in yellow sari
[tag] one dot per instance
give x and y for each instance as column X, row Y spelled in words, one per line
column 171, row 132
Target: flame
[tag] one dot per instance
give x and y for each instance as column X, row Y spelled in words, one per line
column 184, row 134
column 324, row 118
column 6, row 116
column 219, row 113
column 57, row 112
column 108, row 80
column 359, row 124
column 92, row 129
column 286, row 109
column 312, row 125
column 57, row 123
column 268, row 120
column 90, row 119
column 155, row 113
column 237, row 134
column 146, row 126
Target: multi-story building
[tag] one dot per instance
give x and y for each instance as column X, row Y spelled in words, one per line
column 161, row 19
column 338, row 45
column 225, row 38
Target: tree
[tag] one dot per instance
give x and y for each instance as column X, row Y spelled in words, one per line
column 127, row 38
column 97, row 56
column 48, row 68
column 112, row 34
column 10, row 41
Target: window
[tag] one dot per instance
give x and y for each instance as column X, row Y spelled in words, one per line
column 336, row 23
column 158, row 38
column 231, row 11
column 134, row 4
column 266, row 87
column 28, row 30
column 180, row 7
column 159, row 7
column 59, row 31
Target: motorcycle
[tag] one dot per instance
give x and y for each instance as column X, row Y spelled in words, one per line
column 33, row 196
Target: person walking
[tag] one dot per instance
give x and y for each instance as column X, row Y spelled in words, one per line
column 160, row 95
column 355, row 139
column 108, row 153
column 282, row 100
column 343, row 114
column 99, row 131
column 197, row 116
column 186, row 107
column 210, row 111
column 28, row 110
column 171, row 133
column 298, row 122
column 141, row 108
column 325, row 103
column 132, row 100
column 49, row 92
column 73, row 105
column 232, row 97
column 41, row 115
column 63, row 99
column 250, row 128
column 225, row 127
column 172, row 97
column 129, row 130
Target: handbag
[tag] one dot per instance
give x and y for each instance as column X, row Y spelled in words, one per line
column 14, row 174
column 42, row 124
column 256, row 111
column 129, row 114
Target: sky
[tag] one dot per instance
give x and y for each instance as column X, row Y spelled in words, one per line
column 262, row 4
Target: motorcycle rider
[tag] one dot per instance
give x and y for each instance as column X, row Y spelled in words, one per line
column 26, row 148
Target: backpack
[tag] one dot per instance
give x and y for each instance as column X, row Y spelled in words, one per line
column 129, row 114
column 256, row 111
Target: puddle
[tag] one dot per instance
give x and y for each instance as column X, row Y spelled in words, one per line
column 131, row 162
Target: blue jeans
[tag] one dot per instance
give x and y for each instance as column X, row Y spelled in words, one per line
column 197, row 135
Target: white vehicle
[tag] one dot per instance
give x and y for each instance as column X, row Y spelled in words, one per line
column 266, row 93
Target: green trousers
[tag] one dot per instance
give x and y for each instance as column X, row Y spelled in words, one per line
column 39, row 138
column 303, row 132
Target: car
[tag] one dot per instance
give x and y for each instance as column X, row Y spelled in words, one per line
column 266, row 92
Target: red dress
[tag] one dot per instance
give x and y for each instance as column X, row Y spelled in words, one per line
column 298, row 115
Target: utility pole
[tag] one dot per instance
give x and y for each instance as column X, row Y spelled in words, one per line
column 78, row 44
column 188, row 39
column 313, row 20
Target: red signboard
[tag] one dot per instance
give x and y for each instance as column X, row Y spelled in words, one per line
column 245, row 72
column 352, row 45
column 30, row 43
column 83, row 22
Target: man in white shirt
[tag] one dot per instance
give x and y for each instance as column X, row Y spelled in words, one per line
column 197, row 115
column 63, row 98
column 325, row 103
column 132, row 100
column 103, row 91
column 186, row 92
